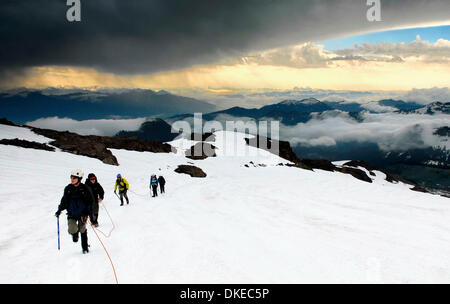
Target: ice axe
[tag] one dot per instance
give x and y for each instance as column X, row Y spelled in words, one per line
column 57, row 223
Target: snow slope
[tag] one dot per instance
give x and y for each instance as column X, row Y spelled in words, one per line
column 272, row 224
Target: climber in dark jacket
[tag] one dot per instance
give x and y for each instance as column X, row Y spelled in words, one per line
column 77, row 200
column 98, row 192
column 161, row 182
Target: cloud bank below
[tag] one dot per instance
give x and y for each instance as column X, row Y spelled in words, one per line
column 101, row 127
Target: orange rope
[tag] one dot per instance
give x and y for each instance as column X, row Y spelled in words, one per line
column 114, row 270
column 113, row 226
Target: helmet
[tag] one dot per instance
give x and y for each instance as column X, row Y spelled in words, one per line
column 92, row 176
column 77, row 173
column 119, row 176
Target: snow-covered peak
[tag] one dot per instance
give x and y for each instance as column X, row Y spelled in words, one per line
column 435, row 108
column 308, row 101
column 376, row 107
column 162, row 92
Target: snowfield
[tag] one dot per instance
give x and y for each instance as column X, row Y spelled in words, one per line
column 272, row 224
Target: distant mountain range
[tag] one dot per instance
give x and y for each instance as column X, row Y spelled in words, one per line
column 289, row 112
column 292, row 112
column 26, row 105
column 23, row 106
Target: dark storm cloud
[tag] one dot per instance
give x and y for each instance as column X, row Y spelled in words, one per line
column 136, row 36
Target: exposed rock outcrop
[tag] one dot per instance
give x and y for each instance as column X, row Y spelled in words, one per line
column 208, row 137
column 285, row 151
column 360, row 163
column 419, row 189
column 97, row 146
column 4, row 121
column 201, row 151
column 389, row 177
column 443, row 132
column 90, row 146
column 136, row 144
column 356, row 173
column 191, row 170
column 26, row 144
column 265, row 143
column 299, row 165
column 321, row 164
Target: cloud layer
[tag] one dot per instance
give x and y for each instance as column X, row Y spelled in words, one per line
column 102, row 127
column 135, row 36
column 423, row 51
column 390, row 131
column 312, row 55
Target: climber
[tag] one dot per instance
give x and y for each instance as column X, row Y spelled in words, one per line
column 161, row 182
column 154, row 185
column 78, row 201
column 123, row 185
column 98, row 192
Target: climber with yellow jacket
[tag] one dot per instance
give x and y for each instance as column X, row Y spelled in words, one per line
column 123, row 185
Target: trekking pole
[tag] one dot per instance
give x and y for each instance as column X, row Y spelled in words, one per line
column 57, row 222
column 117, row 195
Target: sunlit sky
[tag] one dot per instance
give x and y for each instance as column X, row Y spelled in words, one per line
column 388, row 60
column 431, row 34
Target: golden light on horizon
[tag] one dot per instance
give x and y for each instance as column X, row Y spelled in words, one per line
column 225, row 78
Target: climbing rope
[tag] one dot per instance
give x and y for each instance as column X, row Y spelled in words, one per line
column 112, row 222
column 142, row 195
column 114, row 270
